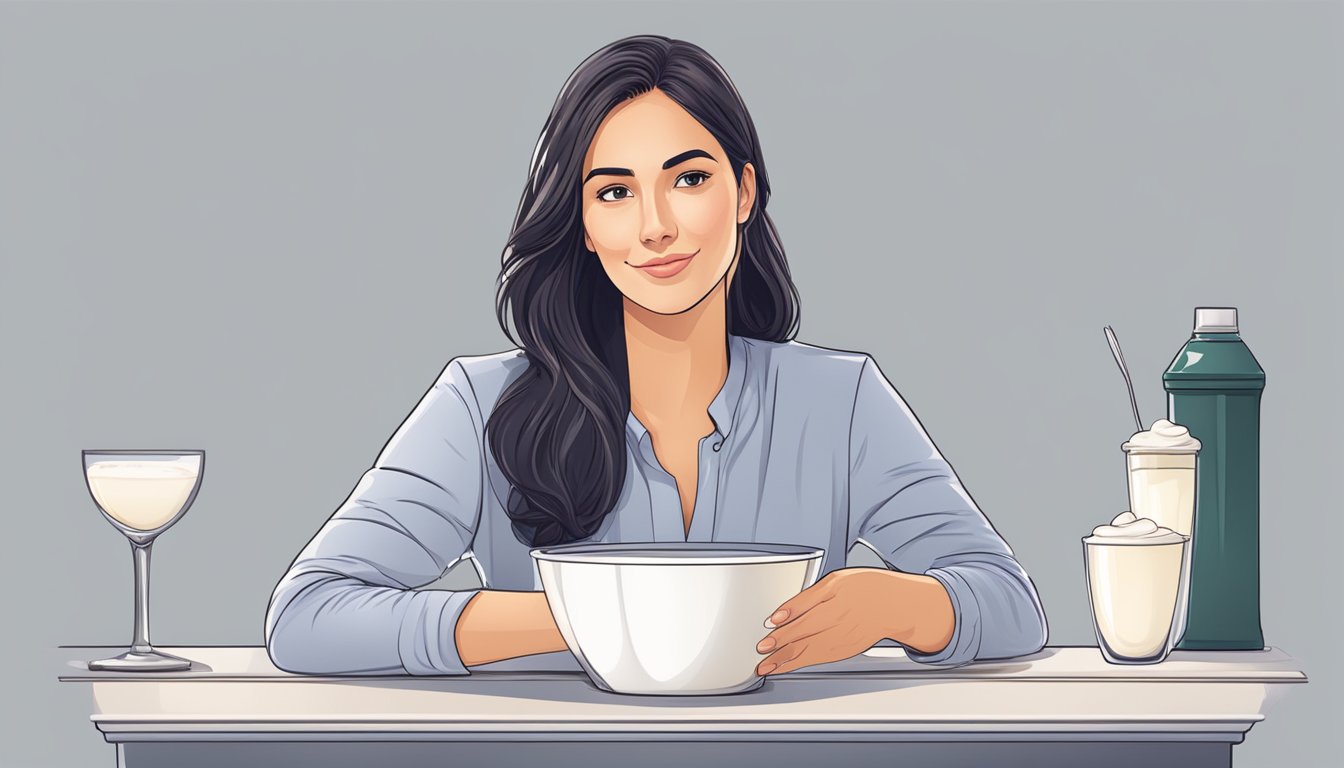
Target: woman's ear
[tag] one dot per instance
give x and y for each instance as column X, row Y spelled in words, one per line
column 588, row 242
column 746, row 193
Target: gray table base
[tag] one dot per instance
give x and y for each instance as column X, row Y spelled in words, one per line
column 644, row 753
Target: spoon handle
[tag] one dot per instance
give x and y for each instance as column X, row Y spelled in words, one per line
column 1124, row 370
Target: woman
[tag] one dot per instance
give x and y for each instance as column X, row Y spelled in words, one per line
column 656, row 395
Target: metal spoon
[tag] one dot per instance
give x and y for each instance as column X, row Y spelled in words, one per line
column 1120, row 361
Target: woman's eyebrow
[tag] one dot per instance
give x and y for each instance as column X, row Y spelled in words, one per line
column 671, row 161
column 608, row 172
column 687, row 155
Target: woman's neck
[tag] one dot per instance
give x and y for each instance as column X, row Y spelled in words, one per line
column 678, row 363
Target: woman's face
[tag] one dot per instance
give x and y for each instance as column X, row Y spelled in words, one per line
column 657, row 187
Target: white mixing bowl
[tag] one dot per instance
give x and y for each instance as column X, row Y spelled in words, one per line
column 671, row 618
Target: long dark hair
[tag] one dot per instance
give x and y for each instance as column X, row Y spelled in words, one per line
column 558, row 430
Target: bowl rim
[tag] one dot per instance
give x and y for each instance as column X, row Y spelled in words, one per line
column 654, row 553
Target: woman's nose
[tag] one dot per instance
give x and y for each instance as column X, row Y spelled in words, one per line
column 657, row 229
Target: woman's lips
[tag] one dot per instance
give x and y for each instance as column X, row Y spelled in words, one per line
column 669, row 268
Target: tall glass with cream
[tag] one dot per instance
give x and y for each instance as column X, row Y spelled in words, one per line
column 142, row 493
column 1160, row 462
column 1136, row 579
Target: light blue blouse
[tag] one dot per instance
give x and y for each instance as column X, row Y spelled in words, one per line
column 811, row 446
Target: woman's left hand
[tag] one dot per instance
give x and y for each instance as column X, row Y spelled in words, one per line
column 849, row 610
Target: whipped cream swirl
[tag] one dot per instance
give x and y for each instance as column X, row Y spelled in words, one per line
column 1162, row 437
column 1128, row 529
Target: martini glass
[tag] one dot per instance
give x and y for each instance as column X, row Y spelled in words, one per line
column 142, row 493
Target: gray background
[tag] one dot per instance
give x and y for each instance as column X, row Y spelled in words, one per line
column 263, row 229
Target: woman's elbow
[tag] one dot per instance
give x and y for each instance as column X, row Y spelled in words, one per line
column 1037, row 635
column 287, row 643
column 1033, row 628
column 1013, row 612
column 294, row 637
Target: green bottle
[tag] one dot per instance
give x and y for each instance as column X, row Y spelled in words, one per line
column 1213, row 389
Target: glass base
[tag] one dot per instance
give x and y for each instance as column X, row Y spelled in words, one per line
column 131, row 661
column 1113, row 659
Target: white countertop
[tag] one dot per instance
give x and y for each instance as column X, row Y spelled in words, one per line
column 1067, row 693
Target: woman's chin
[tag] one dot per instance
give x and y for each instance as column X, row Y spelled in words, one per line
column 668, row 301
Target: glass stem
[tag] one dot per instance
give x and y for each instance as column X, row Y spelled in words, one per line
column 141, row 642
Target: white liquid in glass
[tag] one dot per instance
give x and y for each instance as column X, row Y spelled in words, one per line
column 1135, row 589
column 1162, row 489
column 142, row 495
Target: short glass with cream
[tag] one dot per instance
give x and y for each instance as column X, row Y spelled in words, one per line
column 142, row 493
column 1137, row 577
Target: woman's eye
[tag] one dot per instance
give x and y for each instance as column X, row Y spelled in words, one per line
column 613, row 194
column 692, row 179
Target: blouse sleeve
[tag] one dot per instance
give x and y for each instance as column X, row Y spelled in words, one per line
column 908, row 506
column 348, row 604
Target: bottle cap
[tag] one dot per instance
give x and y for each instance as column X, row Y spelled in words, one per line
column 1215, row 320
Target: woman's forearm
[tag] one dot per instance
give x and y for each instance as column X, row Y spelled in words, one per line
column 499, row 625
